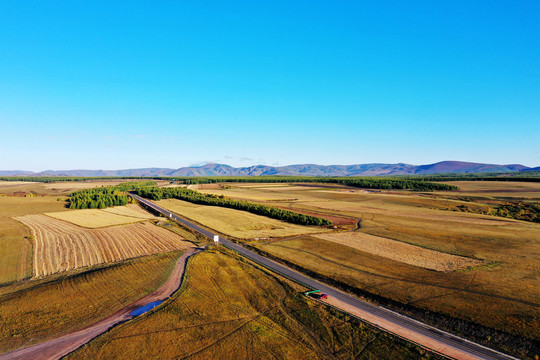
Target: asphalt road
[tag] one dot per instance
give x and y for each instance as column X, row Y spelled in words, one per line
column 404, row 322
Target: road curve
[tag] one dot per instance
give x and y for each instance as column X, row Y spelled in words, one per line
column 428, row 336
column 56, row 348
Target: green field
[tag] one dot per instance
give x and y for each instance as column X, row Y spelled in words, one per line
column 229, row 309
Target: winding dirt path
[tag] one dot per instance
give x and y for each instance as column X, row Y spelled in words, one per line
column 56, row 348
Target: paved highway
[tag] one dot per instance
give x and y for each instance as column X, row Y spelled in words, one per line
column 412, row 326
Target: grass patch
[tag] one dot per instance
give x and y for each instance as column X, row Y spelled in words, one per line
column 43, row 309
column 229, row 309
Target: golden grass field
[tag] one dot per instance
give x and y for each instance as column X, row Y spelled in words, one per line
column 402, row 252
column 98, row 218
column 36, row 310
column 228, row 309
column 54, row 188
column 498, row 189
column 503, row 294
column 236, row 223
column 61, row 246
column 15, row 247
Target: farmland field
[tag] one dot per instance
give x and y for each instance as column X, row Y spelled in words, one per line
column 240, row 224
column 229, row 309
column 97, row 218
column 36, row 310
column 501, row 293
column 15, row 247
column 61, row 246
column 400, row 251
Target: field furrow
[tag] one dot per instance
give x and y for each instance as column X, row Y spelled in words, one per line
column 60, row 246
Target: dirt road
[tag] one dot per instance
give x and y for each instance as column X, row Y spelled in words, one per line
column 56, row 348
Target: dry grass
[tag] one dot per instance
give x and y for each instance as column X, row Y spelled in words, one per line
column 15, row 247
column 98, row 218
column 498, row 189
column 424, row 220
column 236, row 223
column 239, row 193
column 402, row 252
column 227, row 309
column 55, row 188
column 61, row 246
column 509, row 304
column 36, row 310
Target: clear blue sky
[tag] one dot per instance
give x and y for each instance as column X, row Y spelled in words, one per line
column 115, row 85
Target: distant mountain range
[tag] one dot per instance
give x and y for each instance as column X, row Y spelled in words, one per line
column 303, row 169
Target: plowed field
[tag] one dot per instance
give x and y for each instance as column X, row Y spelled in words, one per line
column 61, row 246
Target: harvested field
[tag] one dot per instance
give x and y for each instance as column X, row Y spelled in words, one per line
column 15, row 246
column 40, row 309
column 61, row 246
column 229, row 309
column 248, row 195
column 400, row 251
column 97, row 218
column 240, row 224
column 511, row 303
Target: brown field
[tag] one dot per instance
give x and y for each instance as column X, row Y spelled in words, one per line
column 61, row 246
column 510, row 304
column 402, row 252
column 502, row 294
column 229, row 309
column 41, row 309
column 55, row 188
column 15, row 247
column 498, row 189
column 236, row 223
column 98, row 218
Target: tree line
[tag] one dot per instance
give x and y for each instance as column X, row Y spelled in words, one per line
column 155, row 193
column 359, row 182
column 106, row 196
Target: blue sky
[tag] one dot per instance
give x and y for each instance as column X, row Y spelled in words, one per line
column 115, row 85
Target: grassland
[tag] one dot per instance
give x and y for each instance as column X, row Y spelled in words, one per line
column 502, row 294
column 498, row 189
column 61, row 246
column 228, row 309
column 98, row 218
column 37, row 310
column 15, row 246
column 236, row 223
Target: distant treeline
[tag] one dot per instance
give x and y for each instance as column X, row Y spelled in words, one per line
column 155, row 193
column 102, row 197
column 359, row 182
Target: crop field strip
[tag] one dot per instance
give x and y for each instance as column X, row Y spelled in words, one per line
column 61, row 246
column 402, row 252
column 15, row 244
column 97, row 218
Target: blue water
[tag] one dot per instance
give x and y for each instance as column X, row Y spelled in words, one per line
column 145, row 308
